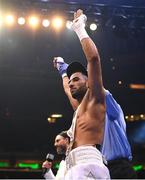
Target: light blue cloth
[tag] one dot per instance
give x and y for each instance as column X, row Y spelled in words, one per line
column 115, row 144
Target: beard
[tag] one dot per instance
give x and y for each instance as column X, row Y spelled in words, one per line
column 61, row 149
column 79, row 94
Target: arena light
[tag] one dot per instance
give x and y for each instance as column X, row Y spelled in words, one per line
column 137, row 86
column 45, row 22
column 119, row 82
column 33, row 21
column 4, row 164
column 132, row 116
column 21, row 21
column 142, row 116
column 56, row 115
column 68, row 24
column 93, row 26
column 1, row 21
column 9, row 20
column 28, row 165
column 53, row 117
column 57, row 23
column 126, row 117
column 138, row 167
column 135, row 117
column 51, row 120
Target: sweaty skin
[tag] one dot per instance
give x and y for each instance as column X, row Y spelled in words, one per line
column 89, row 93
column 90, row 115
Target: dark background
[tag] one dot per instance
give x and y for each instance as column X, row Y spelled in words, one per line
column 31, row 89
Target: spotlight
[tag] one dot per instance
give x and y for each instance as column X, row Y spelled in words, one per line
column 1, row 22
column 57, row 23
column 126, row 117
column 68, row 24
column 33, row 21
column 56, row 115
column 51, row 120
column 21, row 21
column 119, row 82
column 45, row 22
column 93, row 26
column 142, row 116
column 9, row 20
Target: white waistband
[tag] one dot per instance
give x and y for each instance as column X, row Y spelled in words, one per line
column 83, row 154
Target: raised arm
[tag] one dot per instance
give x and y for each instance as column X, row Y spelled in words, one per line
column 61, row 66
column 90, row 50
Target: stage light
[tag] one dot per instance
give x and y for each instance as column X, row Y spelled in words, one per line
column 45, row 22
column 4, row 164
column 28, row 165
column 1, row 19
column 68, row 24
column 9, row 20
column 111, row 59
column 33, row 21
column 1, row 22
column 93, row 26
column 138, row 167
column 142, row 116
column 113, row 68
column 137, row 86
column 126, row 117
column 119, row 82
column 21, row 21
column 57, row 23
column 51, row 120
column 56, row 115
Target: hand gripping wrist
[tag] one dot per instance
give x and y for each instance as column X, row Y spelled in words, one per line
column 79, row 27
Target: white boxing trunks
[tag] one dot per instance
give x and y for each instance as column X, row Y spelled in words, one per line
column 85, row 163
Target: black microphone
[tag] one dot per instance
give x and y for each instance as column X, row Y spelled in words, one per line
column 49, row 158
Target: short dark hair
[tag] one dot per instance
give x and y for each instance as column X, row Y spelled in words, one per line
column 64, row 134
column 76, row 67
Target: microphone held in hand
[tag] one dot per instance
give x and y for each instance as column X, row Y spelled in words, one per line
column 49, row 158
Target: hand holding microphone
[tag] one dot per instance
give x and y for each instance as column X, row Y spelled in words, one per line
column 48, row 163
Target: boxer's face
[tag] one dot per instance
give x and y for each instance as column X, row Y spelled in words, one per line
column 78, row 85
column 61, row 144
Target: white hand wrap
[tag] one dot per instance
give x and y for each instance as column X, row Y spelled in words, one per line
column 78, row 26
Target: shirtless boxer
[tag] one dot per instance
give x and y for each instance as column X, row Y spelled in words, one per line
column 84, row 160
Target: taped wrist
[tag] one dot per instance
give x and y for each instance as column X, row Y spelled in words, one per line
column 62, row 69
column 81, row 33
